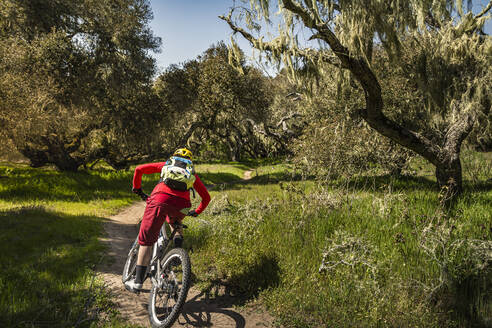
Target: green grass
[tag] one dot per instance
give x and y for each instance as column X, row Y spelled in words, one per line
column 47, row 259
column 217, row 173
column 394, row 258
column 51, row 222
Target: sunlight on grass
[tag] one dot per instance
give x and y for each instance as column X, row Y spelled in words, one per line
column 362, row 251
column 220, row 173
column 51, row 222
column 379, row 236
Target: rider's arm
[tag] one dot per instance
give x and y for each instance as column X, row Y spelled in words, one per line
column 145, row 169
column 203, row 192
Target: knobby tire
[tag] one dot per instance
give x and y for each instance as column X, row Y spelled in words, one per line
column 131, row 263
column 168, row 321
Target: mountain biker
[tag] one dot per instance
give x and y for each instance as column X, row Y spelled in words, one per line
column 164, row 203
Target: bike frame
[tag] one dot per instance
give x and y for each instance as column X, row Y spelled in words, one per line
column 158, row 250
column 168, row 279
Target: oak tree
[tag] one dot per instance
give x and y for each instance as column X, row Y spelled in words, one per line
column 74, row 78
column 438, row 46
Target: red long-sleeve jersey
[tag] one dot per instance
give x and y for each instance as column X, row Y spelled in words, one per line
column 163, row 188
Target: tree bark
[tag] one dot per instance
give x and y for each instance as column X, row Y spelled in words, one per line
column 59, row 154
column 37, row 158
column 449, row 179
column 53, row 153
column 448, row 170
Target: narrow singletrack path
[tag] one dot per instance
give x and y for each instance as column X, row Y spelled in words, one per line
column 248, row 175
column 198, row 311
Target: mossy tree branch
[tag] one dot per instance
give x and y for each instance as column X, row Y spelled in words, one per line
column 348, row 29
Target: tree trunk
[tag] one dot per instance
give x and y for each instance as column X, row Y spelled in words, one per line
column 235, row 151
column 449, row 179
column 66, row 163
column 448, row 170
column 59, row 154
column 37, row 158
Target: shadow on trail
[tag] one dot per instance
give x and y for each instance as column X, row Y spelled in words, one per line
column 239, row 289
column 212, row 306
column 201, row 311
column 118, row 247
column 119, row 237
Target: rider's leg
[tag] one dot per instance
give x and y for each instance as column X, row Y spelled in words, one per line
column 149, row 231
column 143, row 259
column 144, row 254
column 178, row 237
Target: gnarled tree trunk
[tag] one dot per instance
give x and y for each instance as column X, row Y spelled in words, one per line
column 50, row 151
column 449, row 179
column 446, row 159
column 448, row 168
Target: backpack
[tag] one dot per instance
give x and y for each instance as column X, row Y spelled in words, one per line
column 178, row 173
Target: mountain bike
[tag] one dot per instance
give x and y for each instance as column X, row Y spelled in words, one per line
column 169, row 272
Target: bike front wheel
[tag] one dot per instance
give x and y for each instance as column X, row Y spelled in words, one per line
column 131, row 262
column 169, row 291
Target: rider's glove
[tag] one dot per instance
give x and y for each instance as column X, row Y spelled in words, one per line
column 192, row 213
column 139, row 192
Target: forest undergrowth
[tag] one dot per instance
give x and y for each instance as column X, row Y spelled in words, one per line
column 370, row 250
column 363, row 251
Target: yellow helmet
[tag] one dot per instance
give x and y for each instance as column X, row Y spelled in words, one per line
column 183, row 152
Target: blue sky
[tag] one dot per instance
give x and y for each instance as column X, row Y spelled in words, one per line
column 189, row 27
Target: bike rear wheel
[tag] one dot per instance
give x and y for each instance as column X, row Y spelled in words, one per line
column 169, row 291
column 131, row 262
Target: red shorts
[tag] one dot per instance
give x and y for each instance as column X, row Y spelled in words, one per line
column 160, row 207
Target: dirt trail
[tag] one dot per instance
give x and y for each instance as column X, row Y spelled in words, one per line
column 248, row 175
column 198, row 311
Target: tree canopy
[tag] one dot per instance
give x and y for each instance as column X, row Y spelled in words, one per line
column 217, row 109
column 437, row 47
column 73, row 77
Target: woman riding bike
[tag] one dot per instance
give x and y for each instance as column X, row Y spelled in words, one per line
column 169, row 201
